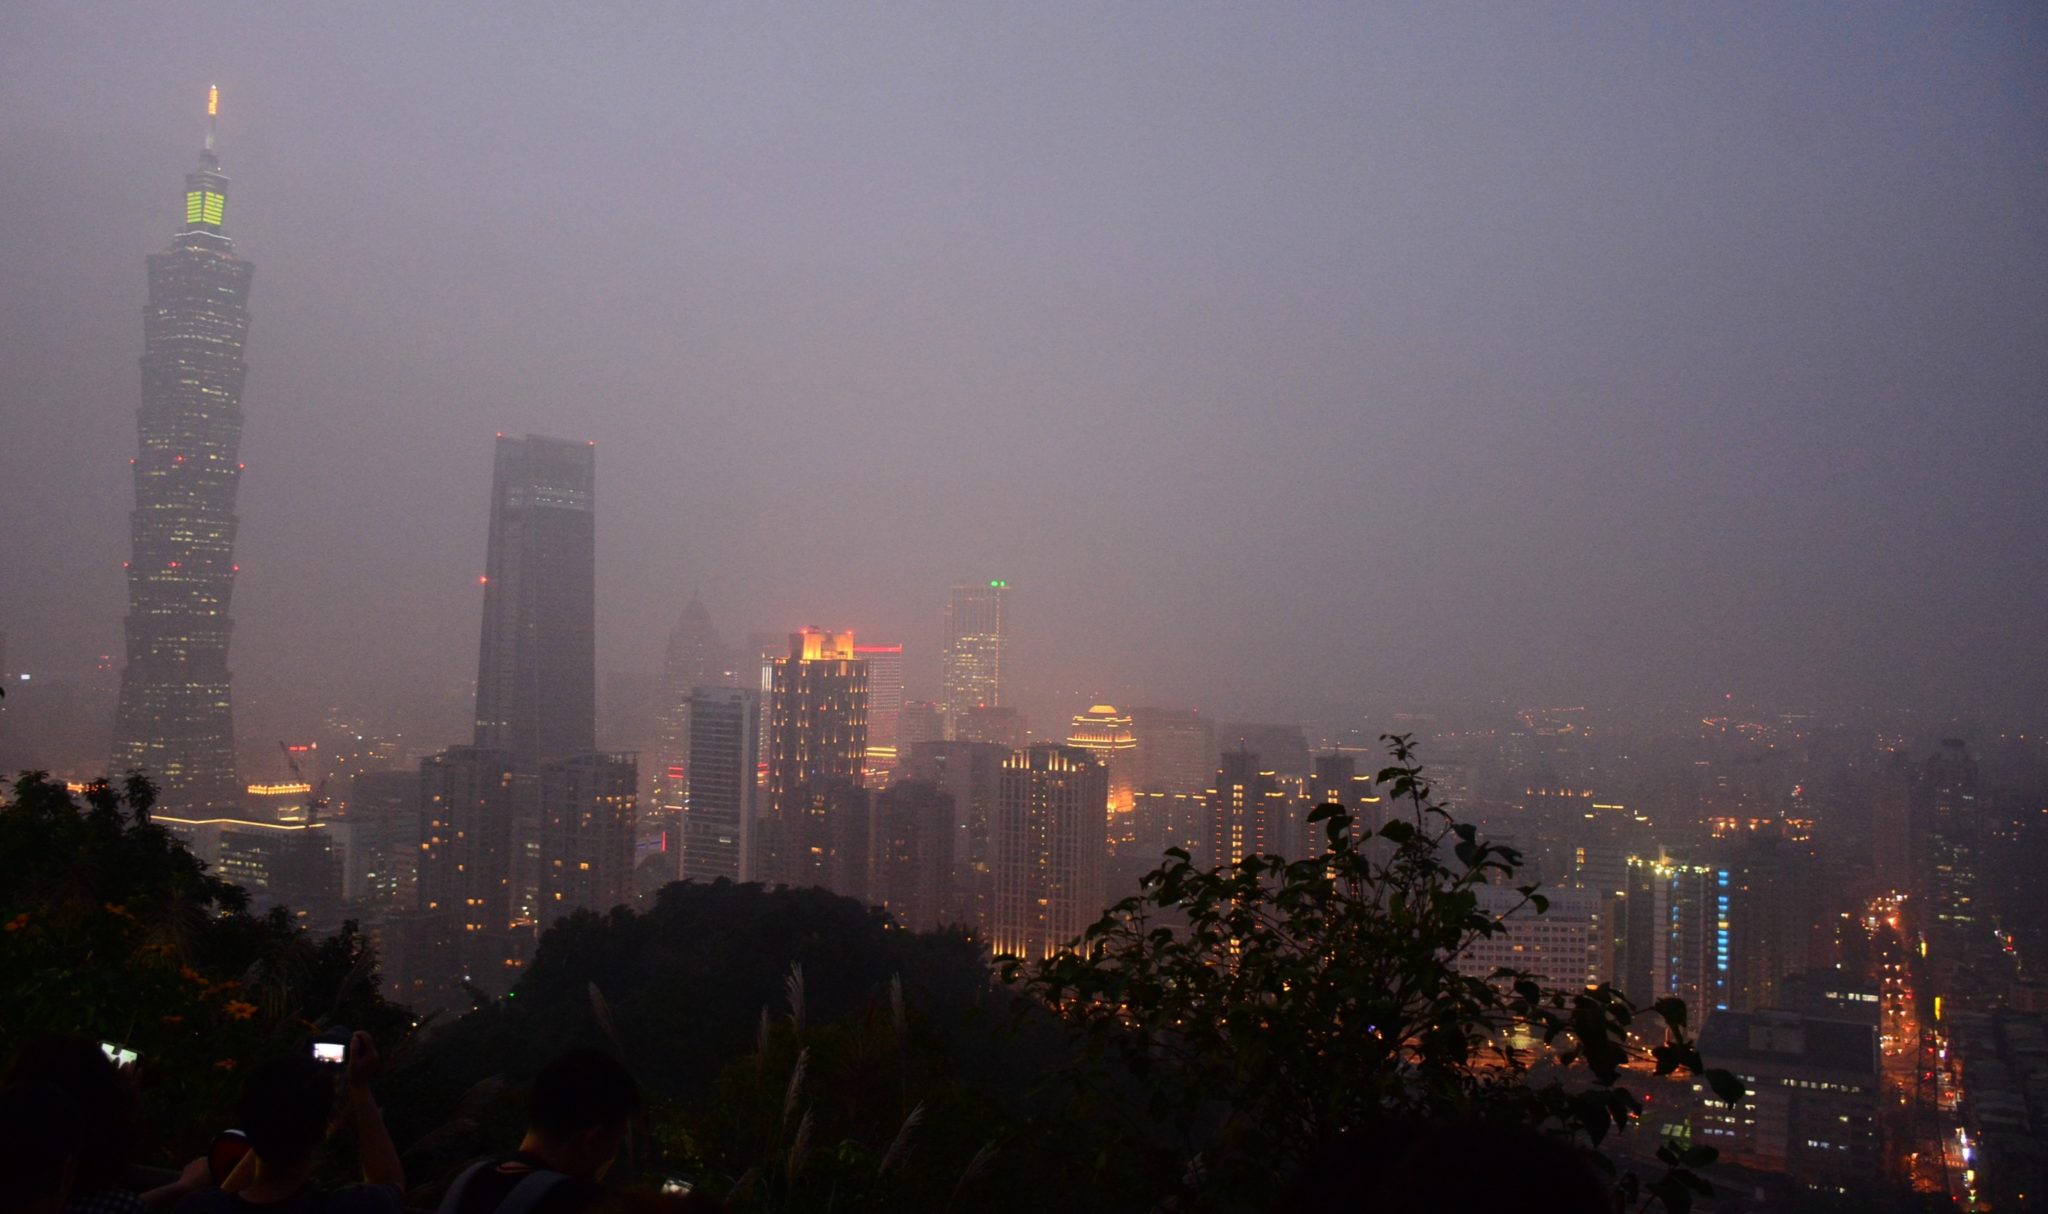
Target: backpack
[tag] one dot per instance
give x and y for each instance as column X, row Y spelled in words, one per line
column 523, row 1199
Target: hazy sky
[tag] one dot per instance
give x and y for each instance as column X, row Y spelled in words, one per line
column 1276, row 354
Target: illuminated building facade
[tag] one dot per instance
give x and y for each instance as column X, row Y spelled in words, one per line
column 462, row 929
column 975, row 661
column 1161, row 820
column 817, row 752
column 1771, row 917
column 885, row 691
column 1569, row 947
column 175, row 720
column 824, row 838
column 1106, row 733
column 718, row 822
column 885, row 709
column 536, row 683
column 1814, row 1085
column 299, row 864
column 1046, row 849
column 1248, row 811
column 1675, row 935
column 278, row 801
column 588, row 810
column 1336, row 778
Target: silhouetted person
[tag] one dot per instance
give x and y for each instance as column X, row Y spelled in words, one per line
column 287, row 1109
column 39, row 1147
column 104, row 1101
column 1441, row 1169
column 581, row 1106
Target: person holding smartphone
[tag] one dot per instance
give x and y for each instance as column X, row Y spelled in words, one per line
column 286, row 1110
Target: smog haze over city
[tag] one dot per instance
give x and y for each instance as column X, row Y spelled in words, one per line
column 1295, row 361
column 1141, row 606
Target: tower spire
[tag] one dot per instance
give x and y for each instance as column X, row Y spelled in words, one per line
column 212, row 115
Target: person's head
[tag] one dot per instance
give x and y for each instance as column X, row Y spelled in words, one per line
column 286, row 1103
column 103, row 1097
column 1415, row 1168
column 39, row 1147
column 580, row 1108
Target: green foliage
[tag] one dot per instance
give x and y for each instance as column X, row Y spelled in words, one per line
column 1234, row 1021
column 682, row 990
column 865, row 1113
column 113, row 929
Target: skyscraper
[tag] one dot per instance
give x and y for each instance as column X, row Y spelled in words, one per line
column 968, row 773
column 885, row 691
column 1568, row 947
column 1004, row 727
column 1106, row 733
column 1046, row 844
column 175, row 720
column 1335, row 778
column 462, row 929
column 920, row 721
column 1948, row 836
column 716, row 836
column 885, row 709
column 536, row 681
column 695, row 659
column 1673, row 934
column 974, row 663
column 587, row 811
column 1285, row 747
column 910, row 853
column 817, row 750
column 1176, row 750
column 1248, row 812
column 383, row 812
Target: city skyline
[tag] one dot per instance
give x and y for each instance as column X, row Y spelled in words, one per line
column 1755, row 545
column 1339, row 560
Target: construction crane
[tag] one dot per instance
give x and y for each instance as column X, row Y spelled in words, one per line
column 316, row 798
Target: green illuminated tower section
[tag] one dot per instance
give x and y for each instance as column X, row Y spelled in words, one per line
column 175, row 720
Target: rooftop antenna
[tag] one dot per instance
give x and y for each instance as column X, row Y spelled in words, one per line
column 212, row 114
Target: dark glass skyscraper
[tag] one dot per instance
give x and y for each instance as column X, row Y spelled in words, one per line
column 536, row 675
column 175, row 720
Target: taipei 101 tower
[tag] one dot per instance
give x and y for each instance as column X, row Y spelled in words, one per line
column 175, row 722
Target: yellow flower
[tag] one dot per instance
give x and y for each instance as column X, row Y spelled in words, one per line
column 191, row 975
column 238, row 1010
